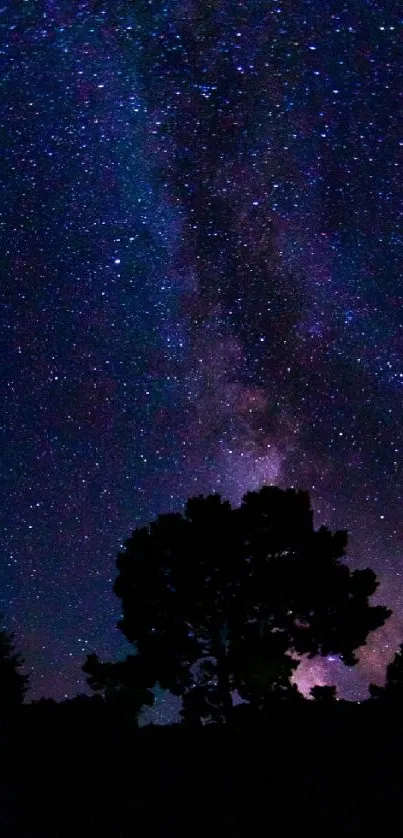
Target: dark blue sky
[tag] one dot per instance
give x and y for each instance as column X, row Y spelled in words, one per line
column 201, row 290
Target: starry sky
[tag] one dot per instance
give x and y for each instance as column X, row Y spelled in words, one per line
column 201, row 290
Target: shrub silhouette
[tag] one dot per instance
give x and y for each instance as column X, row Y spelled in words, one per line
column 324, row 694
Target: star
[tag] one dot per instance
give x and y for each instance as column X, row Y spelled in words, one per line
column 242, row 174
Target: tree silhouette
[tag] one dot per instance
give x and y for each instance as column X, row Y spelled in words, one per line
column 393, row 689
column 13, row 684
column 217, row 599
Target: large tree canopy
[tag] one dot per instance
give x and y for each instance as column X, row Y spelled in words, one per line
column 219, row 599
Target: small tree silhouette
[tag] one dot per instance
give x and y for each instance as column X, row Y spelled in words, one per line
column 13, row 683
column 122, row 684
column 218, row 599
column 393, row 689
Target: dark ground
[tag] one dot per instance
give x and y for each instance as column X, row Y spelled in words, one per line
column 328, row 772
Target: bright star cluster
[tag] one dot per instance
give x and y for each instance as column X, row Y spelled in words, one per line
column 201, row 251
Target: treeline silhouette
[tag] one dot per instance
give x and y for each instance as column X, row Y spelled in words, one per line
column 219, row 604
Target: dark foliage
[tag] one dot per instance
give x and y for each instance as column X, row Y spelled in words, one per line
column 13, row 683
column 217, row 599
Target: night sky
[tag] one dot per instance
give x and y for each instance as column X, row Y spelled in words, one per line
column 201, row 290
